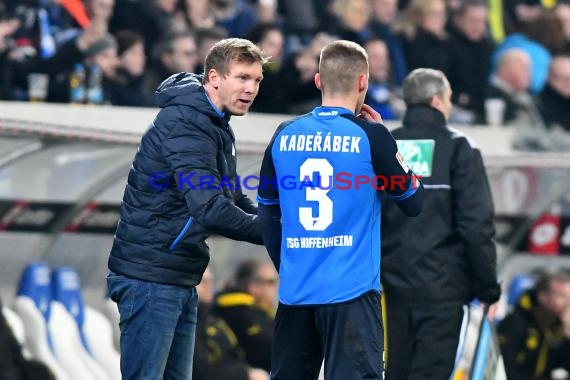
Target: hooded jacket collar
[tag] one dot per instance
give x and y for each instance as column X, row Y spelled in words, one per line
column 421, row 116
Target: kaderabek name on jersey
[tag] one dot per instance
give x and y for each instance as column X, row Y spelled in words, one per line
column 319, row 143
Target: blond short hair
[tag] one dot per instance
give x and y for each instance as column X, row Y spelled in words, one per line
column 340, row 65
column 231, row 50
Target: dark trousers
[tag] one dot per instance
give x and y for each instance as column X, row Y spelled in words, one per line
column 347, row 335
column 422, row 342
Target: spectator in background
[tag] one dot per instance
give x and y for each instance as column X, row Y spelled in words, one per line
column 519, row 12
column 532, row 337
column 248, row 307
column 58, row 67
column 511, row 82
column 381, row 94
column 470, row 57
column 562, row 11
column 299, row 70
column 423, row 28
column 126, row 87
column 196, row 14
column 99, row 66
column 274, row 92
column 350, row 20
column 217, row 354
column 101, row 10
column 555, row 98
column 235, row 16
column 547, row 30
column 540, row 38
column 266, row 11
column 205, row 39
column 152, row 19
column 174, row 54
column 384, row 14
column 300, row 17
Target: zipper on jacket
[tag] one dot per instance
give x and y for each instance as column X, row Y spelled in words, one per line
column 180, row 235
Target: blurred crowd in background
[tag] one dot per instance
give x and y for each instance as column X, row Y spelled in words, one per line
column 118, row 51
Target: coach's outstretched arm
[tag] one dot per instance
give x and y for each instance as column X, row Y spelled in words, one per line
column 192, row 155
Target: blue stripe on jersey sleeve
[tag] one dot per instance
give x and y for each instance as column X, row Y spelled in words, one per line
column 267, row 202
column 411, row 191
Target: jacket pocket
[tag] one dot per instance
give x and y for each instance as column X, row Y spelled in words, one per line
column 180, row 235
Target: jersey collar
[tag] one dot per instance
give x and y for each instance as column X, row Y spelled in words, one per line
column 330, row 112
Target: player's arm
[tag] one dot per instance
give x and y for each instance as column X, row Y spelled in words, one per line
column 400, row 182
column 474, row 214
column 269, row 210
column 192, row 156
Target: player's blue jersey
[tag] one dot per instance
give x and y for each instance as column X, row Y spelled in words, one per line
column 326, row 165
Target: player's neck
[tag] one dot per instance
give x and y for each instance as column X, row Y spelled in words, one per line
column 344, row 102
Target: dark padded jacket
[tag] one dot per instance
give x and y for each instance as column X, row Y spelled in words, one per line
column 181, row 189
column 447, row 253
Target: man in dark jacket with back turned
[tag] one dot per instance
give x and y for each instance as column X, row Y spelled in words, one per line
column 181, row 189
column 435, row 263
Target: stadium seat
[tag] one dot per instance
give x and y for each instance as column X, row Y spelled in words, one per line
column 16, row 325
column 519, row 284
column 70, row 343
column 99, row 334
column 33, row 305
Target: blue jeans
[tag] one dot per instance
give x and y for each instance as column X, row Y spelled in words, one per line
column 158, row 327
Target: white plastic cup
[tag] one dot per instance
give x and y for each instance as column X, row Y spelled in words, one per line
column 495, row 111
column 38, row 87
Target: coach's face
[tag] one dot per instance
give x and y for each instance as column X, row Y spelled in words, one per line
column 239, row 87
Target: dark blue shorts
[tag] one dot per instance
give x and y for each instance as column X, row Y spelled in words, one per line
column 348, row 335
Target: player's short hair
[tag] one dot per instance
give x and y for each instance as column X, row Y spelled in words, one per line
column 340, row 65
column 229, row 50
column 421, row 85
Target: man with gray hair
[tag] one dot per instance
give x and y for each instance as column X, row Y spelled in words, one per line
column 427, row 280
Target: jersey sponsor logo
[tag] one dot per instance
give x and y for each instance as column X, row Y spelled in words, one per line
column 319, row 143
column 319, row 242
column 328, row 113
column 402, row 161
column 419, row 155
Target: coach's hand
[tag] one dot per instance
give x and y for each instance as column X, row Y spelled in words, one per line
column 369, row 114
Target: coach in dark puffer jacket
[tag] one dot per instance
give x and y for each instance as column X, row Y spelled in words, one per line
column 181, row 189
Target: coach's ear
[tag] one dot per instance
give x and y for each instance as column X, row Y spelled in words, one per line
column 214, row 78
column 318, row 81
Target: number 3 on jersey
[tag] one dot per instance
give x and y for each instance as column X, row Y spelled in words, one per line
column 317, row 193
